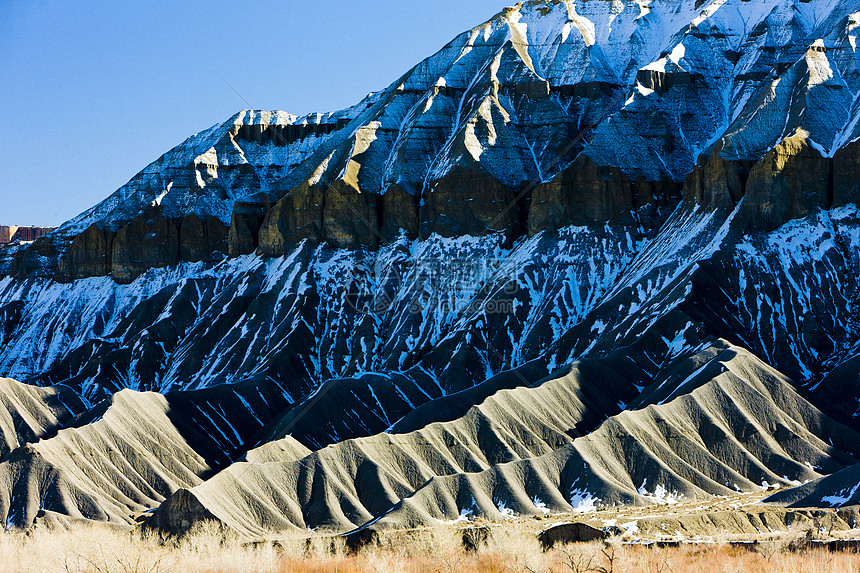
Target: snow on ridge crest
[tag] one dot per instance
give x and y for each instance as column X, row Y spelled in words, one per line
column 734, row 61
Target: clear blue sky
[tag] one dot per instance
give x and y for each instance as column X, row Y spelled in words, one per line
column 93, row 91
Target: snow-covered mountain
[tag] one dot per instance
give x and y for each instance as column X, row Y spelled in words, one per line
column 615, row 206
column 623, row 94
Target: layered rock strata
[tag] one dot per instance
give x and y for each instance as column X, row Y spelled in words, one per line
column 148, row 241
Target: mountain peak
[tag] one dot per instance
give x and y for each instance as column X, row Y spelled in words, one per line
column 643, row 89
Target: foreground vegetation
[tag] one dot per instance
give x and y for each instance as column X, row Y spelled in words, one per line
column 98, row 550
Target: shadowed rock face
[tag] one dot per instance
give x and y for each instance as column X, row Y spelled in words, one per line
column 350, row 217
column 147, row 242
column 245, row 225
column 790, row 182
column 716, row 183
column 297, row 216
column 588, row 194
column 200, row 238
column 469, row 201
column 580, row 196
column 40, row 258
column 339, row 214
column 398, row 212
column 845, row 174
column 89, row 255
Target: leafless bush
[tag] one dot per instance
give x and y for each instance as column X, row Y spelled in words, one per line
column 510, row 548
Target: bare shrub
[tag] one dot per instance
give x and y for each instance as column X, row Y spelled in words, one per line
column 510, row 548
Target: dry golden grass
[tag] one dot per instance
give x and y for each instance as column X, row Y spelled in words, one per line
column 98, row 550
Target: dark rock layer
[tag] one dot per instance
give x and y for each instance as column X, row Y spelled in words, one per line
column 245, row 226
column 89, row 255
column 148, row 241
column 790, row 182
column 297, row 216
column 589, row 194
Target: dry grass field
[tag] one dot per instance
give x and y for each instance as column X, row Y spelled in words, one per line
column 509, row 549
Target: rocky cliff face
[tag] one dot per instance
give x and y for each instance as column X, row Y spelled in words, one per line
column 148, row 241
column 791, row 181
column 558, row 112
column 14, row 233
